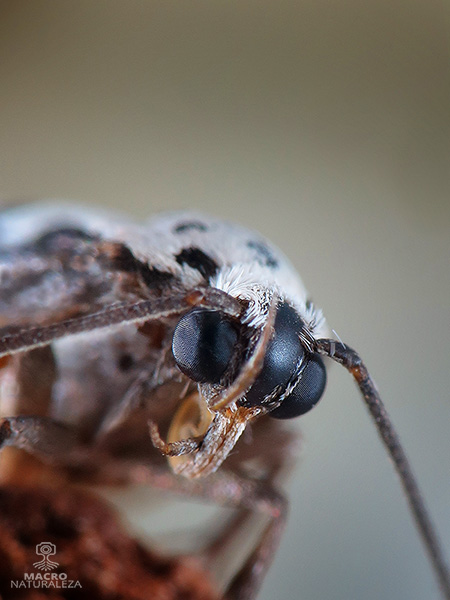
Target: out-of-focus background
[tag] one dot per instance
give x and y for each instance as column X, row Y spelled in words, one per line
column 325, row 125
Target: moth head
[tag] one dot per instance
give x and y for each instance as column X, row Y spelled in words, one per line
column 291, row 378
column 243, row 373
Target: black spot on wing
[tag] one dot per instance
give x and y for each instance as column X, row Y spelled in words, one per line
column 197, row 259
column 154, row 277
column 125, row 362
column 263, row 254
column 190, row 226
column 122, row 259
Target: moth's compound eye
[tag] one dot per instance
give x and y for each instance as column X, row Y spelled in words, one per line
column 203, row 344
column 306, row 393
column 284, row 354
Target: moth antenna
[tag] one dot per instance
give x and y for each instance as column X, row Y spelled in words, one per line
column 139, row 312
column 252, row 367
column 347, row 357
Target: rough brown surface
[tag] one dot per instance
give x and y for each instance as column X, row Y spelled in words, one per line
column 92, row 548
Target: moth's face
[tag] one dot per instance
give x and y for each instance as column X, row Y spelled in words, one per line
column 291, row 380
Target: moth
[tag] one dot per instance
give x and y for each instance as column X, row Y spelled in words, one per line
column 170, row 352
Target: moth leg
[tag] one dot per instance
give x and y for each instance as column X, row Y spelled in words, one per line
column 278, row 461
column 131, row 403
column 26, row 384
column 251, row 498
column 40, row 436
column 254, row 494
column 136, row 401
column 246, row 583
column 30, row 448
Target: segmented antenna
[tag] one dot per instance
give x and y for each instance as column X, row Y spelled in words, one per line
column 347, row 357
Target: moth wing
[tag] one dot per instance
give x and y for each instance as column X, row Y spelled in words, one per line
column 65, row 270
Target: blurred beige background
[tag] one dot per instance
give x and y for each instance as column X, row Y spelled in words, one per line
column 326, row 126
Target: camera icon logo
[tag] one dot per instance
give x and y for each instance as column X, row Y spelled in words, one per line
column 45, row 549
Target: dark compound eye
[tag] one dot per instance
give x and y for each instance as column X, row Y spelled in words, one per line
column 283, row 354
column 203, row 344
column 306, row 393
